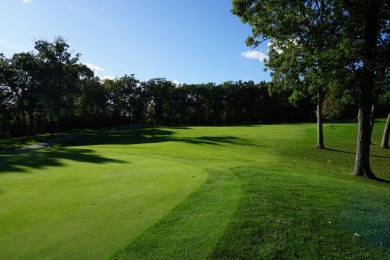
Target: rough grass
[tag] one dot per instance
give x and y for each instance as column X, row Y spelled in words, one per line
column 261, row 192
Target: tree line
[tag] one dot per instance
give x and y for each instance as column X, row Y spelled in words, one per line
column 49, row 90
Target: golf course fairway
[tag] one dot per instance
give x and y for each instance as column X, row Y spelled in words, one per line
column 193, row 193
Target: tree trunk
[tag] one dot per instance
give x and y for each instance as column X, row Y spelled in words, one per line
column 372, row 119
column 320, row 130
column 32, row 122
column 386, row 132
column 362, row 161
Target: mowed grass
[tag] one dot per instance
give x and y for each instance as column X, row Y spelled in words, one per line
column 193, row 193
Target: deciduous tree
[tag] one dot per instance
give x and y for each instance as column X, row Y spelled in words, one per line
column 354, row 30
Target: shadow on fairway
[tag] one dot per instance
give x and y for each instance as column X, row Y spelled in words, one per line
column 136, row 136
column 352, row 153
column 18, row 142
column 148, row 135
column 23, row 161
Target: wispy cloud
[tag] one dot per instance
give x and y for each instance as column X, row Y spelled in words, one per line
column 27, row 1
column 255, row 55
column 94, row 67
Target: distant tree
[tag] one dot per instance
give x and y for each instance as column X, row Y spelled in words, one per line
column 113, row 109
column 300, row 69
column 182, row 106
column 127, row 98
column 188, row 103
column 160, row 104
column 93, row 104
column 332, row 108
column 25, row 85
column 251, row 102
column 5, row 96
column 60, row 77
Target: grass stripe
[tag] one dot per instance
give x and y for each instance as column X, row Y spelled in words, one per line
column 190, row 230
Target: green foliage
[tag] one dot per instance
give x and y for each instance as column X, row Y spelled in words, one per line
column 40, row 87
column 332, row 108
column 384, row 99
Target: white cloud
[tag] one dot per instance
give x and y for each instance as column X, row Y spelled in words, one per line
column 177, row 83
column 94, row 67
column 27, row 1
column 255, row 55
column 272, row 46
column 108, row 77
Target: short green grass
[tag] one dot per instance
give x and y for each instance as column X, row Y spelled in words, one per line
column 253, row 192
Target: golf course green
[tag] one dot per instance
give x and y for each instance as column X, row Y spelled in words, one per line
column 244, row 192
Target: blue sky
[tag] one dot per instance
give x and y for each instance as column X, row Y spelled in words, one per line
column 189, row 41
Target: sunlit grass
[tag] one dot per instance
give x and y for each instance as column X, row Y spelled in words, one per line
column 199, row 192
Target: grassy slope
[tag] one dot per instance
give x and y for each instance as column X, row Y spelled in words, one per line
column 268, row 194
column 292, row 201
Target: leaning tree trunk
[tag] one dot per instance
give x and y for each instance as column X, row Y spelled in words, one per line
column 320, row 129
column 386, row 132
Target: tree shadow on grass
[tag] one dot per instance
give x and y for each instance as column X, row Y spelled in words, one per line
column 372, row 155
column 19, row 142
column 347, row 152
column 23, row 161
column 136, row 136
column 149, row 135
